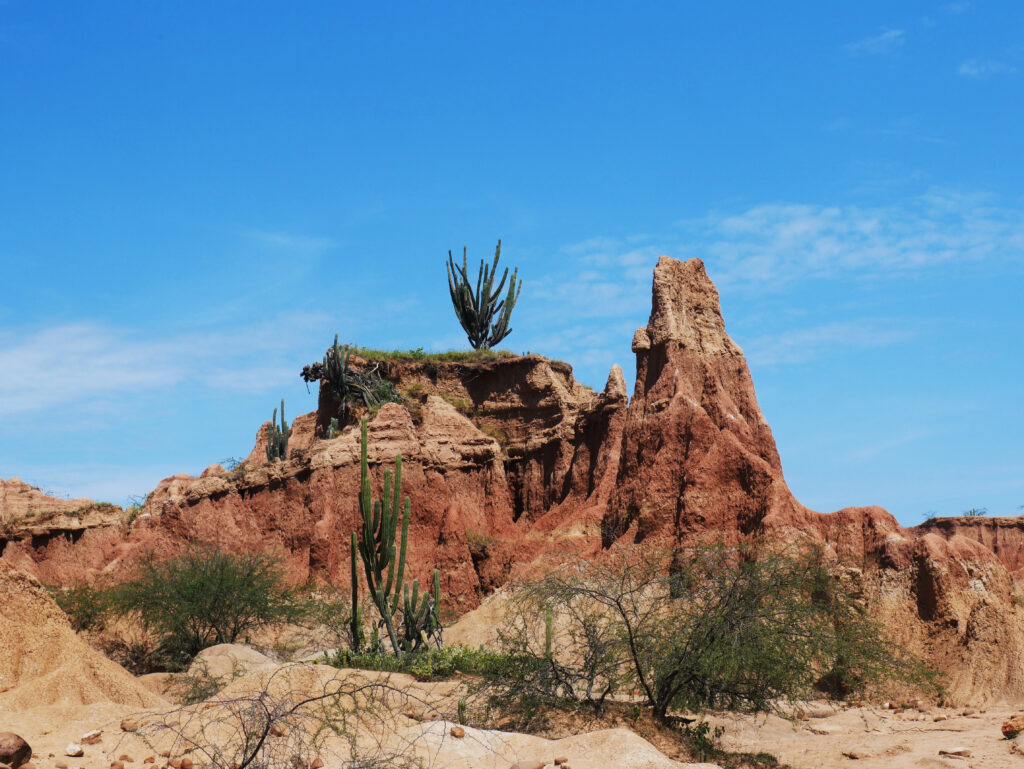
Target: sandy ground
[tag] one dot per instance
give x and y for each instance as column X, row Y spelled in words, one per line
column 875, row 738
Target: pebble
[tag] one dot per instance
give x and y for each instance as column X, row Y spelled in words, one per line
column 960, row 752
column 458, row 732
column 74, row 750
column 186, row 763
column 91, row 738
column 117, row 765
column 149, row 760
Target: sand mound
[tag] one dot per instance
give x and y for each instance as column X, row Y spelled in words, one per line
column 43, row 662
column 483, row 749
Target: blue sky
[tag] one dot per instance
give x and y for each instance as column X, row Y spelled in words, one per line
column 194, row 197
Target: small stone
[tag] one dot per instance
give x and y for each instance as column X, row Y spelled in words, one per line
column 967, row 712
column 129, row 725
column 278, row 730
column 186, row 763
column 561, row 760
column 174, row 763
column 149, row 760
column 61, row 765
column 458, row 732
column 91, row 738
column 14, row 751
column 958, row 751
column 318, row 763
column 938, row 718
column 126, row 758
column 1014, row 726
column 74, row 750
column 117, row 765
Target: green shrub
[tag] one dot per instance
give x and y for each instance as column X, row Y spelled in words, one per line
column 204, row 597
column 86, row 606
column 430, row 664
column 744, row 629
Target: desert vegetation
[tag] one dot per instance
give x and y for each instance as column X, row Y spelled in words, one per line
column 483, row 314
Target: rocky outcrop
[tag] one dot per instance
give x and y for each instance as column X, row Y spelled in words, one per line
column 37, row 527
column 1004, row 536
column 508, row 458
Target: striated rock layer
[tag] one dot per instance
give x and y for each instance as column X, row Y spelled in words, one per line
column 509, row 459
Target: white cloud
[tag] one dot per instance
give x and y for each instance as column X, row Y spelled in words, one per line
column 776, row 243
column 75, row 364
column 801, row 345
column 887, row 41
column 981, row 68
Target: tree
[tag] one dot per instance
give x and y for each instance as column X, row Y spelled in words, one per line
column 484, row 318
column 205, row 597
column 976, row 512
column 732, row 628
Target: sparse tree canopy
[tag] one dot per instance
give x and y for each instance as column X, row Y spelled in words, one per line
column 484, row 318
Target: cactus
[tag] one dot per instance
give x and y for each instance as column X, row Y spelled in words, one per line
column 462, row 711
column 277, row 438
column 483, row 318
column 384, row 565
column 332, row 429
column 334, row 371
column 356, row 623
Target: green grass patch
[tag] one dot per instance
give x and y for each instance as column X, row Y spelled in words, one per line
column 428, row 664
column 455, row 356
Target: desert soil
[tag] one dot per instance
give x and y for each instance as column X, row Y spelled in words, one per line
column 876, row 738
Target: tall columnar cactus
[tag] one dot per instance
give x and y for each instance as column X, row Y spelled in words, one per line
column 277, row 438
column 484, row 318
column 384, row 564
column 335, row 373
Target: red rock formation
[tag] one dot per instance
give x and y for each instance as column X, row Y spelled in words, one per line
column 1003, row 536
column 510, row 458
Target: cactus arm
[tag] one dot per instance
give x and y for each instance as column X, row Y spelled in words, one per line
column 356, row 611
column 402, row 552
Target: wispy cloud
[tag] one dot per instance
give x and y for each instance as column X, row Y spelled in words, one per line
column 801, row 345
column 873, row 450
column 776, row 243
column 99, row 363
column 982, row 68
column 286, row 241
column 887, row 41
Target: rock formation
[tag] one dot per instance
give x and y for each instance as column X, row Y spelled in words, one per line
column 508, row 459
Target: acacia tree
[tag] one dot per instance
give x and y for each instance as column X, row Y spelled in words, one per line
column 483, row 315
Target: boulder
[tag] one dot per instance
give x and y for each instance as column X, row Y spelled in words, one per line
column 14, row 751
